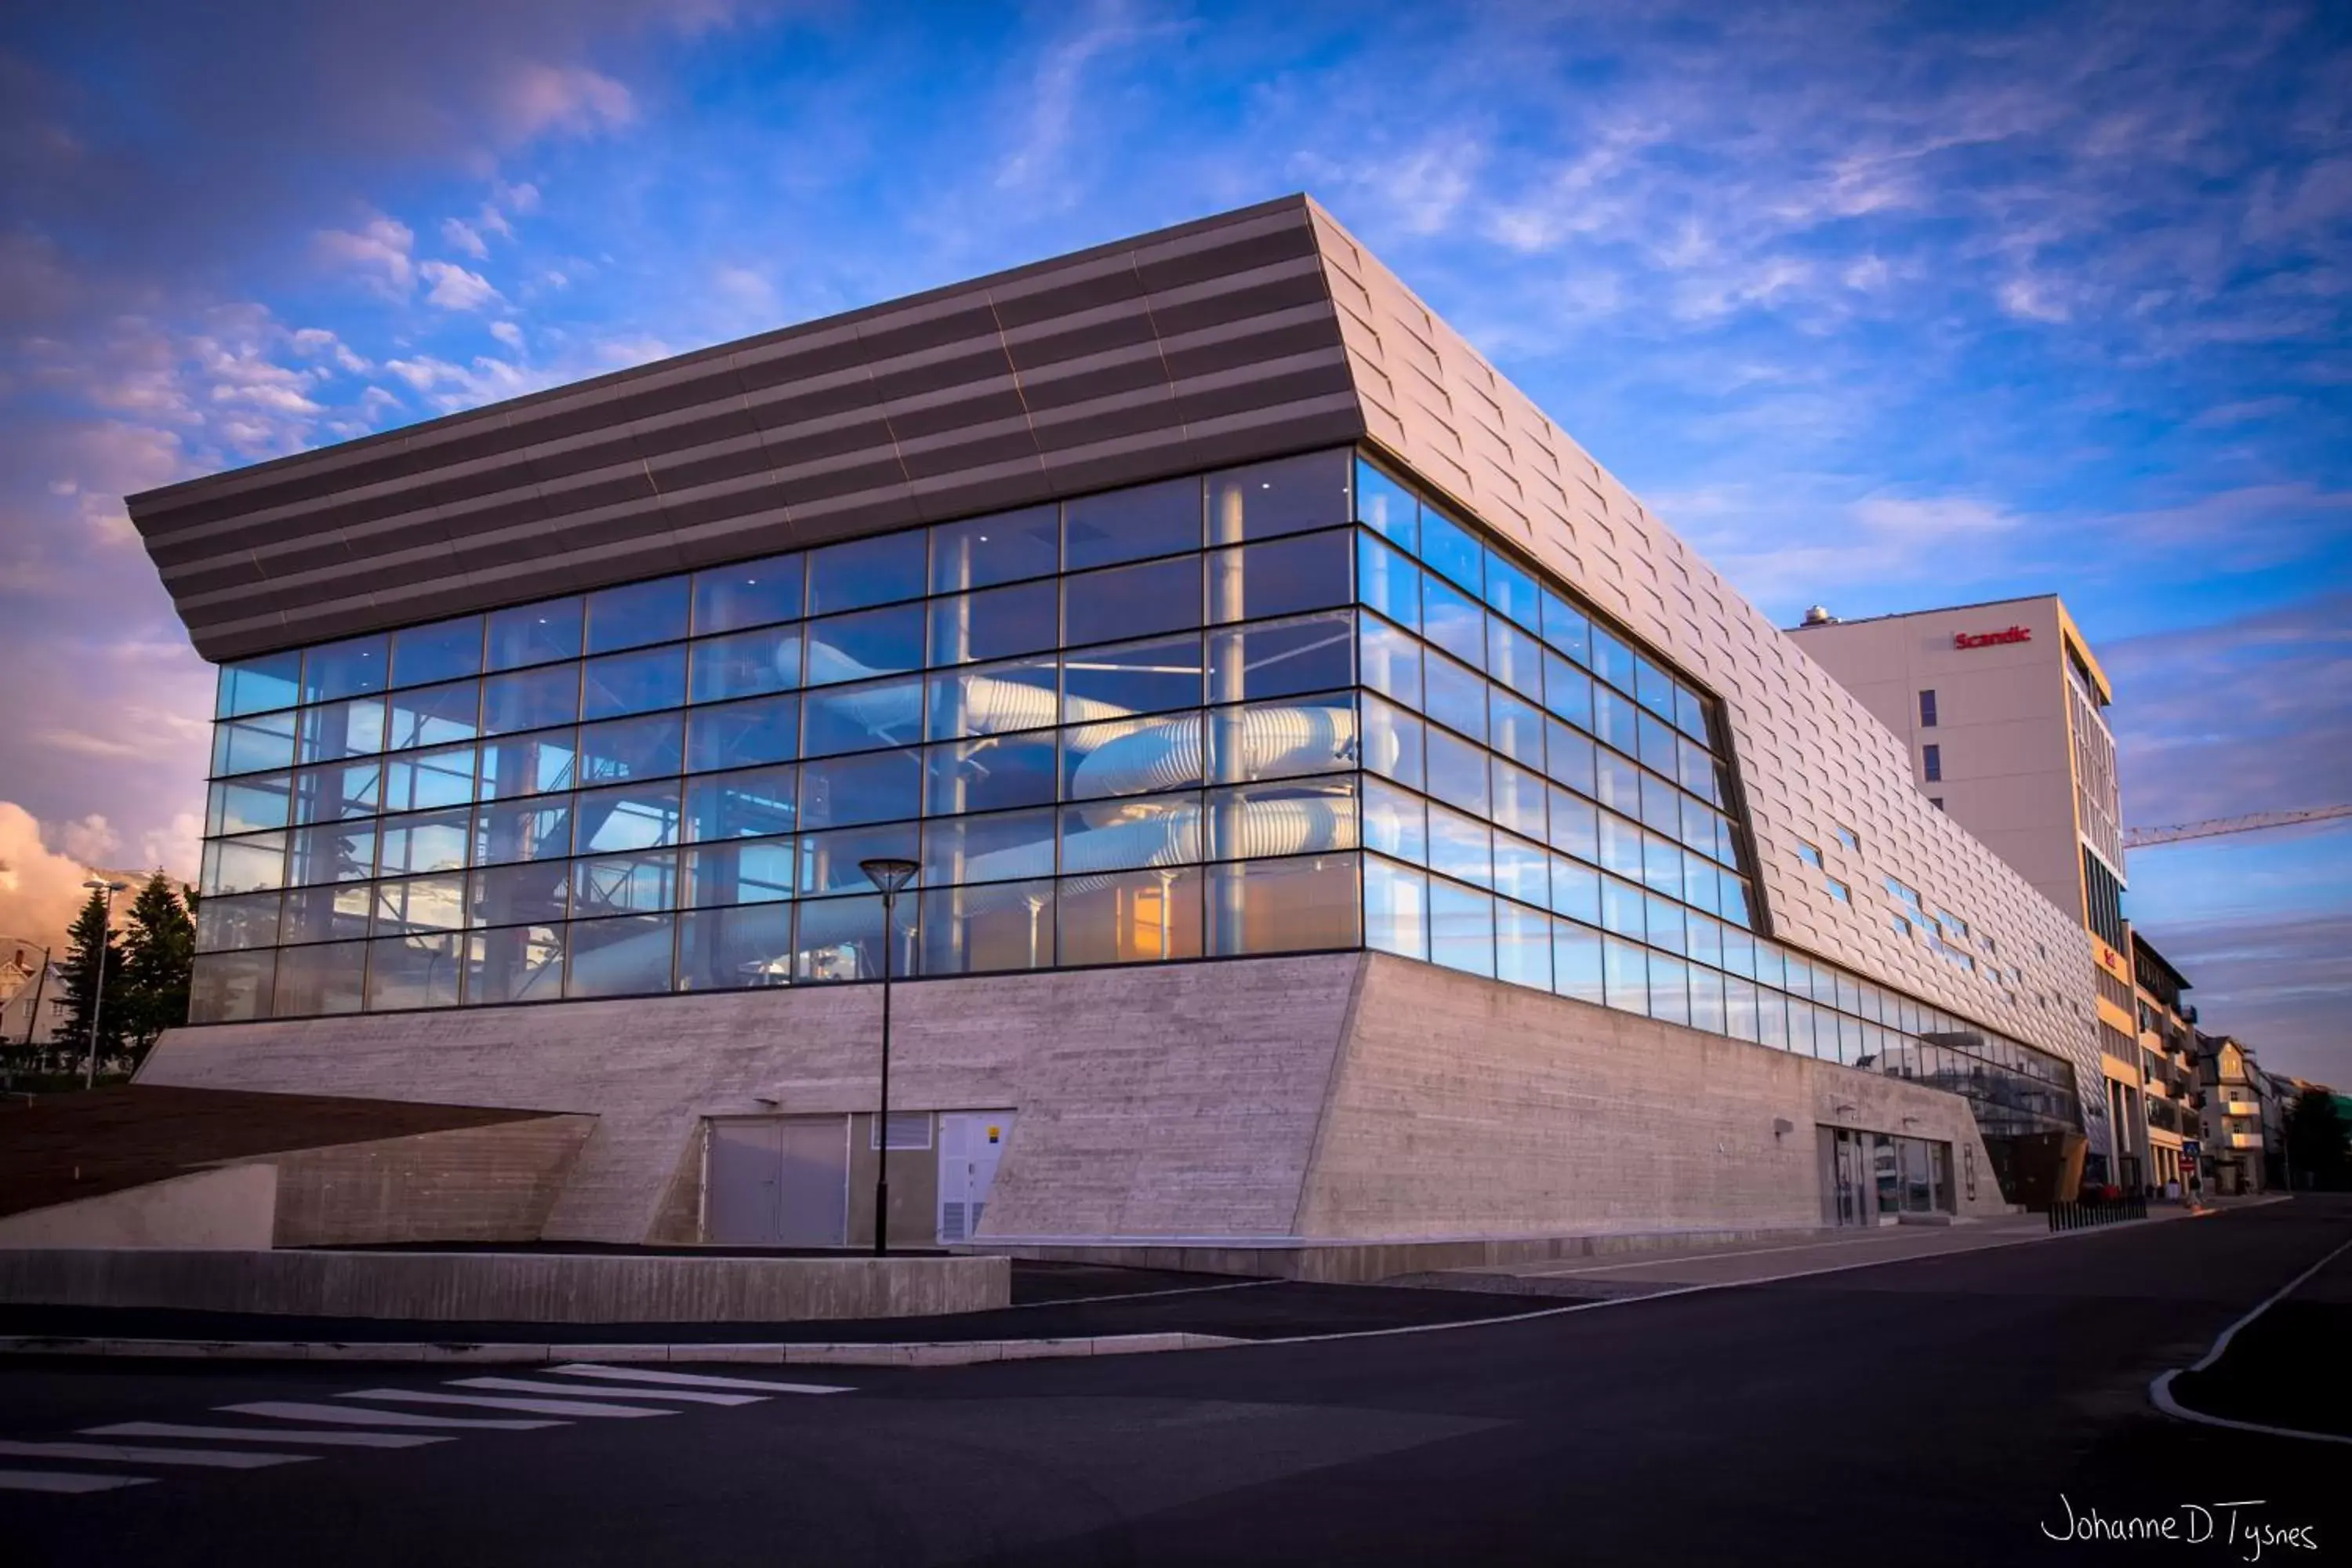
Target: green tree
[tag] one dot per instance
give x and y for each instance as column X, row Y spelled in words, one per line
column 157, row 956
column 2316, row 1151
column 90, row 940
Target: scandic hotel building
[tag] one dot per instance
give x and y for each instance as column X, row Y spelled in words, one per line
column 1344, row 813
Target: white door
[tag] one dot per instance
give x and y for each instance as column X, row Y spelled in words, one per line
column 777, row 1180
column 971, row 1142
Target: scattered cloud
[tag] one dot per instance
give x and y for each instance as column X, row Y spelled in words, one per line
column 455, row 288
column 460, row 236
column 377, row 253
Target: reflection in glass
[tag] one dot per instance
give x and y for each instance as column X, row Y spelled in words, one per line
column 1130, row 524
column 1004, row 548
column 533, row 633
column 980, row 929
column 862, row 572
column 1134, row 917
column 1461, row 928
column 757, row 592
column 445, row 650
column 732, row 949
column 1309, row 903
column 635, row 614
column 743, row 735
column 626, row 956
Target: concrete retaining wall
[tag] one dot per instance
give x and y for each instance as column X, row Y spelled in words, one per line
column 510, row 1288
column 470, row 1184
column 229, row 1208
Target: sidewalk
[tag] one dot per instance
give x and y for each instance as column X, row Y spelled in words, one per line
column 1752, row 1263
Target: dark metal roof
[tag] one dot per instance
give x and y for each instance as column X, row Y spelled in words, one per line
column 1212, row 343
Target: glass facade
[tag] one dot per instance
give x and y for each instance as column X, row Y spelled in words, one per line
column 1290, row 707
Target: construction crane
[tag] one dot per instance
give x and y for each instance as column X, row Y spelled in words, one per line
column 2144, row 837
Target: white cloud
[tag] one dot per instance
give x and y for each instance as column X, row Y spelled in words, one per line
column 311, row 342
column 507, row 334
column 455, row 288
column 379, row 251
column 459, row 234
column 537, row 97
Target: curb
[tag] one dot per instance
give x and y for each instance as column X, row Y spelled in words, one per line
column 2160, row 1394
column 938, row 1353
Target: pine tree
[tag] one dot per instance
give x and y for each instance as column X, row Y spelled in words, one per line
column 156, row 959
column 89, row 937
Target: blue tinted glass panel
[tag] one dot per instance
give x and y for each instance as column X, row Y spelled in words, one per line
column 1518, row 798
column 725, row 949
column 1567, row 756
column 258, row 685
column 1575, row 826
column 743, row 735
column 433, row 841
column 1002, row 847
column 1654, row 688
column 755, row 804
column 243, row 865
column 1522, row 871
column 1449, row 548
column 1690, row 714
column 1130, row 524
column 628, row 956
column 1391, row 661
column 1575, row 965
column 1396, row 822
column 1461, row 928
column 862, row 571
column 997, row 699
column 627, row 816
column 637, row 614
column 1618, row 785
column 1154, row 596
column 1453, row 620
column 1617, row 720
column 1392, row 743
column 645, row 747
column 1133, row 756
column 1514, row 657
column 756, row 594
column 632, row 682
column 1396, row 909
column 530, row 764
column 1295, row 905
column 533, row 829
column 1514, row 728
column 1626, row 974
column 830, row 861
column 427, row 780
column 623, row 884
column 1567, row 628
column 1568, row 691
column 1291, row 816
column 1289, row 495
column 1004, row 548
column 853, row 718
column 1624, row 909
column 1114, row 836
column 996, row 623
column 1668, row 927
column 534, row 634
column 989, row 774
column 330, row 852
column 1387, row 508
column 1388, row 581
column 530, row 698
column 1575, row 890
column 760, row 871
column 987, row 930
column 346, row 669
column 332, row 793
column 1658, row 744
column 859, row 646
column 518, row 964
column 248, row 805
column 1454, row 696
column 1460, row 845
column 1139, row 678
column 1280, row 578
column 1522, row 947
column 445, row 650
column 746, row 663
column 1280, row 659
column 1512, row 591
column 877, row 788
column 353, row 728
column 434, row 715
column 1613, row 660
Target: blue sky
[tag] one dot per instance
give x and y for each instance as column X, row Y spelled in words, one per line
column 1881, row 306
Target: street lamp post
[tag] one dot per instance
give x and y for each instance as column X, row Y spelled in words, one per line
column 890, row 876
column 97, row 992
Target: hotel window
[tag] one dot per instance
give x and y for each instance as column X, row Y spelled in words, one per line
column 1837, row 889
column 1928, row 710
column 1811, row 854
column 1931, row 758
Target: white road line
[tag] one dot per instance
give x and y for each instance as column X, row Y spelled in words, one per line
column 288, row 1410
column 2160, row 1390
column 692, row 1379
column 263, row 1434
column 574, row 1391
column 65, row 1481
column 528, row 1407
column 114, row 1453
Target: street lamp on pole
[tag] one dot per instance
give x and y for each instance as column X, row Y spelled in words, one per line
column 97, row 992
column 890, row 876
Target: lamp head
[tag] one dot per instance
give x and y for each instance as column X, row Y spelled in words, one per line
column 888, row 873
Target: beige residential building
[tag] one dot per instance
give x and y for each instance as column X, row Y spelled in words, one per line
column 2173, row 1100
column 2001, row 707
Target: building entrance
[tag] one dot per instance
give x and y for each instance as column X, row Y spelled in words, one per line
column 971, row 1143
column 777, row 1180
column 1873, row 1177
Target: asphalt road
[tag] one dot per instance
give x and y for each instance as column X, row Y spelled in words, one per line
column 1947, row 1410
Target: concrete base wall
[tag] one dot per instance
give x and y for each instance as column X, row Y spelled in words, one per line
column 230, row 1208
column 510, row 1288
column 472, row 1183
column 1264, row 1103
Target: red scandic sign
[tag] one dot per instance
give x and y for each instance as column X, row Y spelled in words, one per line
column 1991, row 639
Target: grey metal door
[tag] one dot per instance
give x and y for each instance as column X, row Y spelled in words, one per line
column 813, row 1189
column 742, row 1177
column 777, row 1180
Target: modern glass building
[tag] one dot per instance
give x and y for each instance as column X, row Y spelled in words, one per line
column 1304, row 702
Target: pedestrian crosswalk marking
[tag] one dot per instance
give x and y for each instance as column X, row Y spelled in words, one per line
column 115, row 1453
column 495, row 1402
column 692, row 1379
column 263, row 1434
column 65, row 1481
column 575, row 1391
column 351, row 1415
